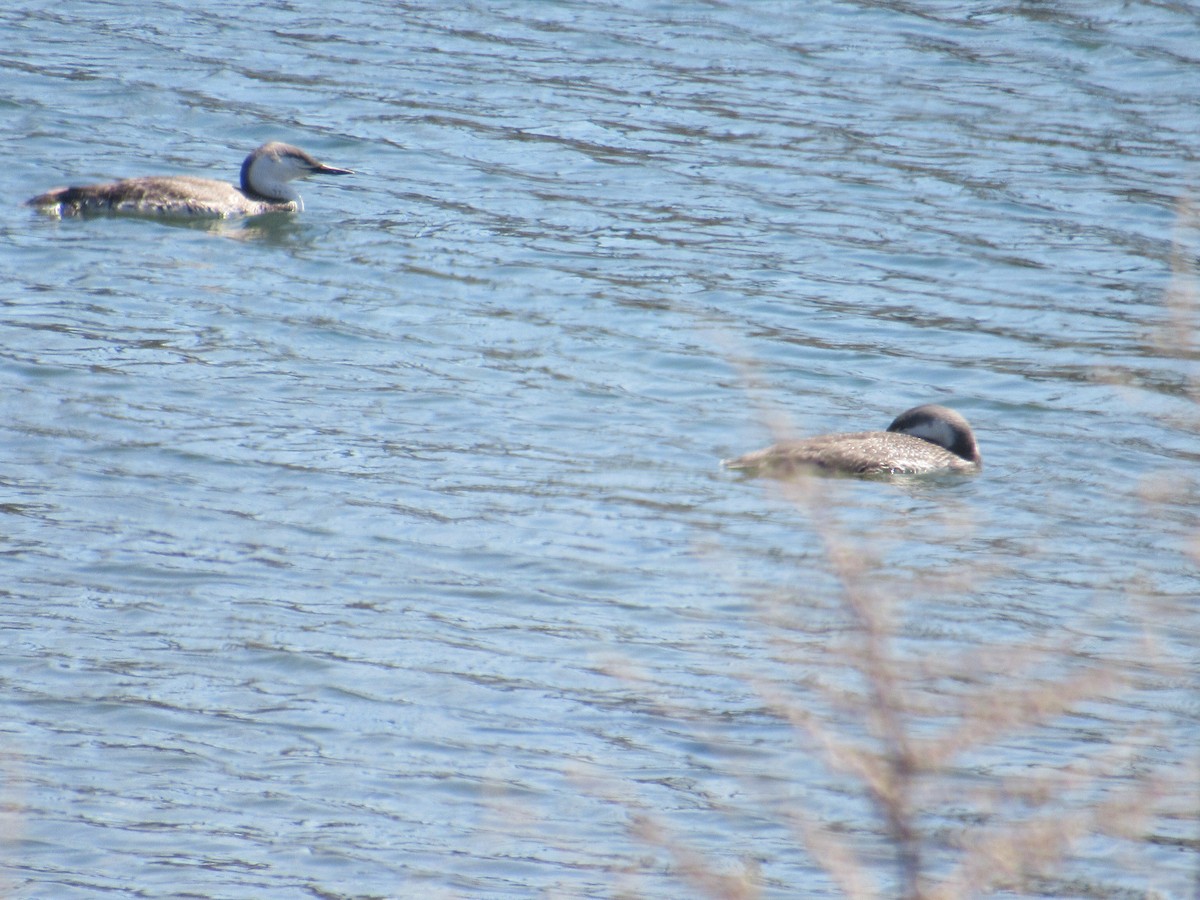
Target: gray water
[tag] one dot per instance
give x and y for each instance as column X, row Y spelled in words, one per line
column 384, row 550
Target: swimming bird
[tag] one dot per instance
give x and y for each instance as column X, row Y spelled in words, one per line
column 264, row 189
column 924, row 440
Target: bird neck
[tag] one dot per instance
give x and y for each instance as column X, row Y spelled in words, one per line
column 259, row 182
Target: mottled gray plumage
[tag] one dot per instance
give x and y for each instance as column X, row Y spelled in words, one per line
column 924, row 440
column 264, row 188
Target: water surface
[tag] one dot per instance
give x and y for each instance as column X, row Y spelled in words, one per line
column 384, row 550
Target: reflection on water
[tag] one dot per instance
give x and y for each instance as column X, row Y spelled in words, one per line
column 385, row 548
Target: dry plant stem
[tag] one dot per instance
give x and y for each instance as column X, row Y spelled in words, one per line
column 893, row 795
column 836, row 858
column 1183, row 304
column 1008, row 855
column 1015, row 709
column 834, row 855
column 894, row 769
column 695, row 868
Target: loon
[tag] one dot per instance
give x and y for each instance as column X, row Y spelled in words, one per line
column 925, row 440
column 264, row 189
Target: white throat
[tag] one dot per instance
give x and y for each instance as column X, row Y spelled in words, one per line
column 268, row 180
column 934, row 430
